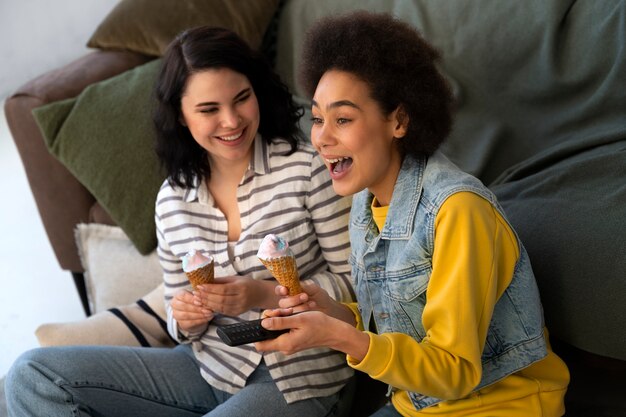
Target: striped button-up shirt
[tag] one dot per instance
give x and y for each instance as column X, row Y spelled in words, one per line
column 291, row 196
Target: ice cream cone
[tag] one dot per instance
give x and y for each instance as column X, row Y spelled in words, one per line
column 199, row 267
column 202, row 275
column 285, row 270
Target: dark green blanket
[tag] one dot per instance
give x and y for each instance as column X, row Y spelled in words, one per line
column 568, row 206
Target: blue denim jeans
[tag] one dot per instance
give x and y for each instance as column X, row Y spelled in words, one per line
column 151, row 382
column 386, row 411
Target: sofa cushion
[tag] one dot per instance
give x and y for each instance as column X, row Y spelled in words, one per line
column 141, row 323
column 125, row 292
column 568, row 207
column 105, row 139
column 115, row 272
column 148, row 26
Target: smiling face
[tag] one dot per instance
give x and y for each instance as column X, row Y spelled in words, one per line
column 354, row 137
column 221, row 111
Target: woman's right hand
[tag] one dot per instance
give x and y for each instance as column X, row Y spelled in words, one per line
column 313, row 297
column 190, row 317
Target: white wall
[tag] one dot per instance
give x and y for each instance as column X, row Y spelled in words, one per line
column 40, row 35
column 35, row 36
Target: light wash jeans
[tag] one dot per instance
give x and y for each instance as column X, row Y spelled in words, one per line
column 117, row 381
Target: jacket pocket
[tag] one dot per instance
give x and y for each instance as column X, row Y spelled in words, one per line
column 406, row 297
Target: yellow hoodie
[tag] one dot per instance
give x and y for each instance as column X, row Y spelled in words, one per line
column 455, row 326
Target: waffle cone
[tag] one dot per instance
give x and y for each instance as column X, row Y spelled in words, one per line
column 285, row 270
column 203, row 275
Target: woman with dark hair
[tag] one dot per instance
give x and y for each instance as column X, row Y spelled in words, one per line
column 448, row 312
column 183, row 156
column 227, row 134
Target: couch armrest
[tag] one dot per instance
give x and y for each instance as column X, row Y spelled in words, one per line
column 61, row 200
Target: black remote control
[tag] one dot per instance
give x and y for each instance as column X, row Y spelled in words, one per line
column 247, row 332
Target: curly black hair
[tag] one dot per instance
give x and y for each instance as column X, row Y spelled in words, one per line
column 397, row 64
column 204, row 48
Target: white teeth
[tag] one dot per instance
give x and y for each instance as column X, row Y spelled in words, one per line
column 231, row 138
column 335, row 160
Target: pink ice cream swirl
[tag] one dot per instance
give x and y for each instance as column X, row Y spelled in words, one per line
column 195, row 259
column 273, row 246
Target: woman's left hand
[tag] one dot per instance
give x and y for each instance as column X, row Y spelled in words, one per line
column 234, row 295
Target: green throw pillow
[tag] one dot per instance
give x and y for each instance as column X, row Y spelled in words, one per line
column 148, row 26
column 105, row 138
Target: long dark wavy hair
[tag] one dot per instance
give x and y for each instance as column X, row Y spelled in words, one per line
column 397, row 64
column 201, row 49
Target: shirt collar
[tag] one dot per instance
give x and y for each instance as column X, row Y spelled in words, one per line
column 259, row 164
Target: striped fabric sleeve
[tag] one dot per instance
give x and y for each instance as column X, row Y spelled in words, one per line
column 330, row 215
column 173, row 277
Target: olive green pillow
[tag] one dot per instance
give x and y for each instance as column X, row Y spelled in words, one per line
column 105, row 138
column 148, row 26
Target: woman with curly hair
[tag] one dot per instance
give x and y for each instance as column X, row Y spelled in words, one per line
column 448, row 312
column 228, row 137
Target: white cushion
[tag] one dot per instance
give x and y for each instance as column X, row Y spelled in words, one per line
column 125, row 292
column 115, row 272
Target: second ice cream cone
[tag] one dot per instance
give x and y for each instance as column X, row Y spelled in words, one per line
column 275, row 254
column 285, row 270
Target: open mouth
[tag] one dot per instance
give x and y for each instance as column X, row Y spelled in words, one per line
column 339, row 165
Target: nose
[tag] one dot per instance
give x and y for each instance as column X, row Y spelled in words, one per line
column 321, row 136
column 230, row 118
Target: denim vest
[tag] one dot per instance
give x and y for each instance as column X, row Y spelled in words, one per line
column 391, row 269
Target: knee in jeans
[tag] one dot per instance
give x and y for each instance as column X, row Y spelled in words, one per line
column 18, row 377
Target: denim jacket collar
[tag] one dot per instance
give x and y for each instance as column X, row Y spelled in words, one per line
column 404, row 201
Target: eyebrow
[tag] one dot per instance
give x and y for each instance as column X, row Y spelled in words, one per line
column 215, row 103
column 336, row 104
